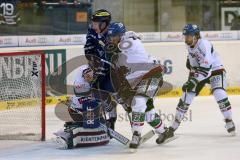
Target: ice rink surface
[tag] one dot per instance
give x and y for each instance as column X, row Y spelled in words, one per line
column 201, row 137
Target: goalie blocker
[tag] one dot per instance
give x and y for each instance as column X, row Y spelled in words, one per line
column 85, row 129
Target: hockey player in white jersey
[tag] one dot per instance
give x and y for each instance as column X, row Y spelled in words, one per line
column 142, row 77
column 205, row 67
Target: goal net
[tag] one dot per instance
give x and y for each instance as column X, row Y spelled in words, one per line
column 22, row 96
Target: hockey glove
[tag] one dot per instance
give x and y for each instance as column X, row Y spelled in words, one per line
column 190, row 85
column 111, row 122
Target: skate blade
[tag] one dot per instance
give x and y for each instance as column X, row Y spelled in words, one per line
column 61, row 143
column 169, row 140
column 147, row 136
column 132, row 150
column 233, row 133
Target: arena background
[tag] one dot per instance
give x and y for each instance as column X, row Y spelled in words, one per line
column 58, row 28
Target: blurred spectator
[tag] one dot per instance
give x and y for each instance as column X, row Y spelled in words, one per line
column 208, row 20
column 235, row 23
column 63, row 2
column 76, row 2
column 86, row 1
column 40, row 4
column 165, row 22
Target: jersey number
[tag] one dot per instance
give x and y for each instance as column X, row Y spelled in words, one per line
column 8, row 9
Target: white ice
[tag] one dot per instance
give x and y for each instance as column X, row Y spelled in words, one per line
column 201, row 136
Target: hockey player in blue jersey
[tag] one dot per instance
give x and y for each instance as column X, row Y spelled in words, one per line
column 95, row 54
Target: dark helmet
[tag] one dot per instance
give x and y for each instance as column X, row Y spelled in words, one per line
column 101, row 15
column 191, row 29
column 116, row 28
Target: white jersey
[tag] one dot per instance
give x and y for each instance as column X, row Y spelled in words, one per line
column 204, row 59
column 80, row 84
column 134, row 56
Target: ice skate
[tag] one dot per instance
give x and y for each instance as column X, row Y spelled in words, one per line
column 230, row 126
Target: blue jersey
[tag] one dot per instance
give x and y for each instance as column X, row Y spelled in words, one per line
column 94, row 52
column 95, row 44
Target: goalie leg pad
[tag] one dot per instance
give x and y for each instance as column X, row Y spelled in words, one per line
column 75, row 136
column 89, row 137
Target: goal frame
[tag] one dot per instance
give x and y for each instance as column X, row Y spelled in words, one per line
column 43, row 75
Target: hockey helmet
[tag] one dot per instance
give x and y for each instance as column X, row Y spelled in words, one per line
column 191, row 29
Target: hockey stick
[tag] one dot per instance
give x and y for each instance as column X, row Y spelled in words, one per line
column 119, row 137
column 113, row 133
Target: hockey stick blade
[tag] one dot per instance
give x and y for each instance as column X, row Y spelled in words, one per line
column 119, row 137
column 147, row 136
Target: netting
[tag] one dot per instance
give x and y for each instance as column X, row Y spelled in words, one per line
column 21, row 96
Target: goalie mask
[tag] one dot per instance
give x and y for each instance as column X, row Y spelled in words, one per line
column 88, row 74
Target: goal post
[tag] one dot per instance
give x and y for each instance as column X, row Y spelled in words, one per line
column 22, row 96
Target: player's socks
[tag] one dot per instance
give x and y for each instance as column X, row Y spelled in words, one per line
column 157, row 124
column 181, row 110
column 176, row 123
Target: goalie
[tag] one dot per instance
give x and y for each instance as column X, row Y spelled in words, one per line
column 85, row 109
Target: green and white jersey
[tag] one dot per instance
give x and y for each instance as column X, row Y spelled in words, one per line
column 203, row 59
